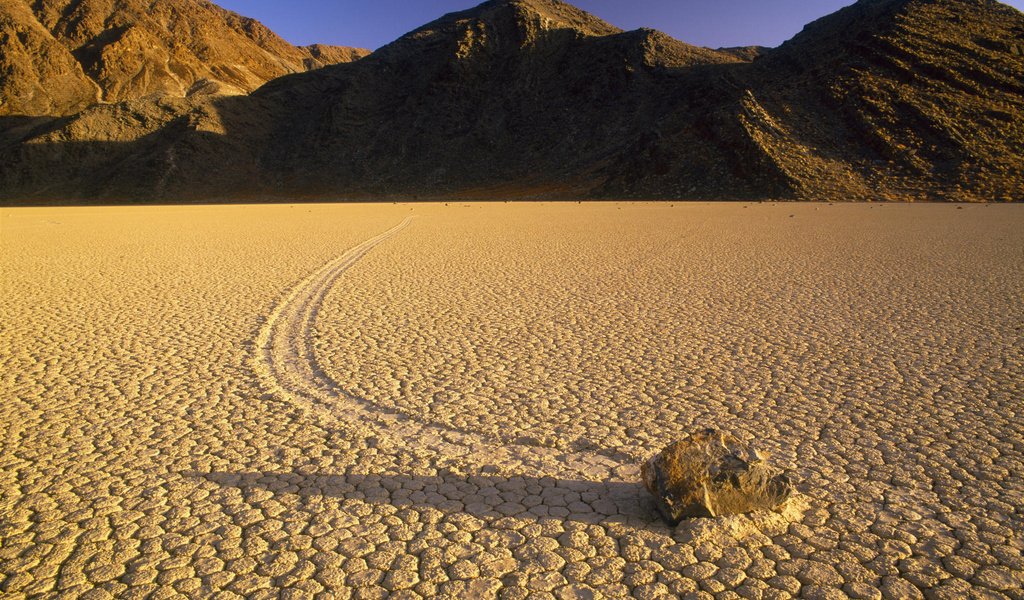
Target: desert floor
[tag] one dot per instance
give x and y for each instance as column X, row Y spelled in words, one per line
column 452, row 400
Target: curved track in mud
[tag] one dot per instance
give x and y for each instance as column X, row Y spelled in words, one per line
column 287, row 365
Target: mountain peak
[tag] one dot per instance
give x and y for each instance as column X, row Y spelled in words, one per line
column 529, row 14
column 562, row 15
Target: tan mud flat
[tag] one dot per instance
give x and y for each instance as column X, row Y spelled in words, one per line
column 341, row 399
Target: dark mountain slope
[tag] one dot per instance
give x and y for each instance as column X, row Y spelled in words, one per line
column 936, row 99
column 536, row 93
column 924, row 98
column 887, row 99
column 901, row 99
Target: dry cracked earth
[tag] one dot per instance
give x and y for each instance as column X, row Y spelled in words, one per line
column 413, row 401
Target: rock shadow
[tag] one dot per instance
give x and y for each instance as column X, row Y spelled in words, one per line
column 483, row 496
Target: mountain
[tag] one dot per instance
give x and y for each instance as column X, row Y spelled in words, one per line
column 885, row 99
column 532, row 93
column 922, row 98
column 38, row 75
column 58, row 56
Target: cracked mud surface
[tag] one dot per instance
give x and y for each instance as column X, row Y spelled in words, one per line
column 338, row 400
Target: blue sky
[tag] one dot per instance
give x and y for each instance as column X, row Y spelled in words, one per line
column 373, row 23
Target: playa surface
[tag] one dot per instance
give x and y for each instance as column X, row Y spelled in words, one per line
column 452, row 400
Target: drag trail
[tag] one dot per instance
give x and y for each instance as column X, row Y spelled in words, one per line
column 286, row 363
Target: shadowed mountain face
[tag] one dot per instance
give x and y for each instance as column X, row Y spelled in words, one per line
column 920, row 98
column 886, row 99
column 59, row 56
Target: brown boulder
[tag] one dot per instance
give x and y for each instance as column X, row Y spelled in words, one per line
column 710, row 474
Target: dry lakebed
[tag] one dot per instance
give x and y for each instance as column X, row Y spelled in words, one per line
column 453, row 400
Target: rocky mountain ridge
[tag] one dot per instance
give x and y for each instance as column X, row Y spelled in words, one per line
column 883, row 100
column 60, row 56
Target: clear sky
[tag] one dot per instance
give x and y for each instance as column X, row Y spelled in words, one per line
column 373, row 23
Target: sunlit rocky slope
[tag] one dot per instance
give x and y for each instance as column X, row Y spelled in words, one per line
column 886, row 99
column 59, row 56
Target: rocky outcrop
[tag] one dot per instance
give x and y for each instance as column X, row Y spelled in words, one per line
column 321, row 55
column 66, row 54
column 711, row 474
column 38, row 75
column 884, row 100
column 921, row 99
